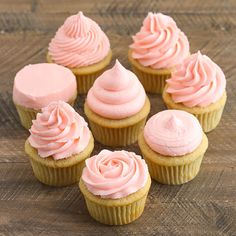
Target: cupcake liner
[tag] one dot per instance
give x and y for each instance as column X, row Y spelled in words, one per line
column 116, row 137
column 173, row 170
column 86, row 76
column 152, row 80
column 116, row 211
column 117, row 132
column 58, row 172
column 210, row 120
column 85, row 82
column 209, row 117
column 174, row 175
column 57, row 176
column 28, row 114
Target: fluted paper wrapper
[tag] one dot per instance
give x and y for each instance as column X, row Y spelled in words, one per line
column 116, row 211
column 58, row 172
column 209, row 117
column 173, row 170
column 26, row 115
column 117, row 132
column 153, row 80
column 86, row 76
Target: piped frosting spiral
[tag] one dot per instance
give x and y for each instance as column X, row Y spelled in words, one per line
column 116, row 94
column 79, row 42
column 173, row 133
column 198, row 81
column 160, row 43
column 115, row 174
column 59, row 131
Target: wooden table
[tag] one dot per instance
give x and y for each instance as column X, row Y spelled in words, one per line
column 205, row 206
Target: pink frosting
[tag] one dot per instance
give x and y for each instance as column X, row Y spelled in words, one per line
column 116, row 94
column 198, row 81
column 79, row 42
column 59, row 131
column 160, row 43
column 173, row 133
column 115, row 174
column 35, row 86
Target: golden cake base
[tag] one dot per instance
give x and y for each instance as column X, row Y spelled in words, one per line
column 209, row 116
column 86, row 75
column 121, row 132
column 153, row 80
column 173, row 170
column 116, row 211
column 58, row 172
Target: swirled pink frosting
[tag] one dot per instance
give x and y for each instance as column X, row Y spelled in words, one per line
column 160, row 43
column 79, row 42
column 173, row 133
column 115, row 174
column 59, row 131
column 116, row 94
column 198, row 81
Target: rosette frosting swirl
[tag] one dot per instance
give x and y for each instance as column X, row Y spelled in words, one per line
column 59, row 131
column 115, row 174
column 173, row 133
column 79, row 42
column 198, row 81
column 116, row 94
column 160, row 43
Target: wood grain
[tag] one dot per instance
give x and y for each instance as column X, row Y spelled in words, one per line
column 205, row 206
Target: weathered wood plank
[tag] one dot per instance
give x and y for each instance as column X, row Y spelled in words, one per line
column 220, row 23
column 168, row 210
column 136, row 7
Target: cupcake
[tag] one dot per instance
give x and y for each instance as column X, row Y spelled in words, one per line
column 35, row 86
column 115, row 186
column 156, row 50
column 173, row 145
column 198, row 87
column 58, row 145
column 117, row 107
column 81, row 46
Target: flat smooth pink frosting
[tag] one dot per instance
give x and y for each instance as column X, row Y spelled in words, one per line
column 198, row 81
column 35, row 86
column 116, row 94
column 160, row 43
column 115, row 174
column 59, row 131
column 79, row 42
column 173, row 133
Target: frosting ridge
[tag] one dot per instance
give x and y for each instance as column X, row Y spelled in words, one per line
column 79, row 42
column 59, row 131
column 198, row 81
column 160, row 43
column 173, row 133
column 116, row 94
column 115, row 174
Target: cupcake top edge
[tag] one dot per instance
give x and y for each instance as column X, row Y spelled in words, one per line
column 159, row 44
column 116, row 94
column 173, row 133
column 59, row 132
column 35, row 86
column 79, row 42
column 198, row 81
column 115, row 174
